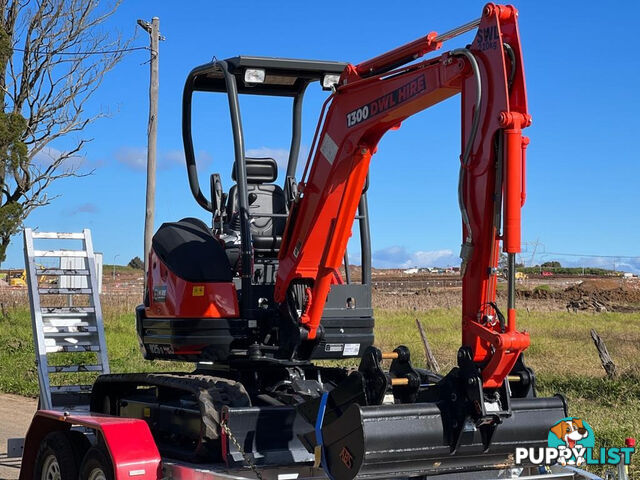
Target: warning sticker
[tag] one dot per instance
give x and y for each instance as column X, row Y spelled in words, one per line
column 329, row 148
column 198, row 291
column 333, row 347
column 351, row 349
column 347, row 457
column 160, row 293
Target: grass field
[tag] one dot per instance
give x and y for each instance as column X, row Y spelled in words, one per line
column 562, row 355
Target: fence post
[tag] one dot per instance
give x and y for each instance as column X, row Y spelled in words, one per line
column 432, row 363
column 606, row 360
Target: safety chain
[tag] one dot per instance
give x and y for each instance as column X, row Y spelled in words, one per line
column 247, row 459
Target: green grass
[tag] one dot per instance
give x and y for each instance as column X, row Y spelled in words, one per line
column 612, row 407
column 561, row 353
column 542, row 288
column 17, row 359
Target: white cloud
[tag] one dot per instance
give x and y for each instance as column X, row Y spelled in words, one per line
column 433, row 258
column 399, row 257
column 203, row 159
column 624, row 264
column 280, row 155
column 84, row 208
column 171, row 158
column 45, row 157
column 136, row 158
column 133, row 157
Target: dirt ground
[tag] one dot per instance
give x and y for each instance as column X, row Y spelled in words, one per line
column 558, row 294
column 16, row 413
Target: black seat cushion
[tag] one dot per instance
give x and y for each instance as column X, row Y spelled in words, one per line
column 189, row 250
column 259, row 170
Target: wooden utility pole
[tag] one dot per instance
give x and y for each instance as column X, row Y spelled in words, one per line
column 153, row 29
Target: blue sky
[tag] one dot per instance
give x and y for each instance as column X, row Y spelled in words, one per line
column 583, row 166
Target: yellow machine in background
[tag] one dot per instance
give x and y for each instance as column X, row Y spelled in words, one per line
column 17, row 278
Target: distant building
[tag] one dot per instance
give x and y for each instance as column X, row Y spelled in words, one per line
column 411, row 271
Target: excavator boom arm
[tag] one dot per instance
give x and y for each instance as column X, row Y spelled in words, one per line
column 378, row 95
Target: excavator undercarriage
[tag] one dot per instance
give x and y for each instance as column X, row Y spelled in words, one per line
column 373, row 422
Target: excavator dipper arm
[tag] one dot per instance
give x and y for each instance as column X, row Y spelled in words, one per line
column 377, row 96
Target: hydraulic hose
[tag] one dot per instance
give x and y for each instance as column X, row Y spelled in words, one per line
column 512, row 59
column 467, row 246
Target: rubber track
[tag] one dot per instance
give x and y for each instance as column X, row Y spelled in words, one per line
column 212, row 393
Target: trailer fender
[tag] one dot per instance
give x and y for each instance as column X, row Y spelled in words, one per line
column 128, row 441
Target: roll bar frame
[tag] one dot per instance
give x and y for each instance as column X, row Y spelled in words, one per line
column 221, row 76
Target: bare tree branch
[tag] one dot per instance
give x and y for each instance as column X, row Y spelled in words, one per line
column 53, row 57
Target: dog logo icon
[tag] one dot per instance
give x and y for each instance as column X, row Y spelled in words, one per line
column 572, row 436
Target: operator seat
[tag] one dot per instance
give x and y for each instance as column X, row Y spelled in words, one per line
column 264, row 198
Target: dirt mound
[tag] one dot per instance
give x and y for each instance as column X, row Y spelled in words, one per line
column 600, row 295
column 604, row 295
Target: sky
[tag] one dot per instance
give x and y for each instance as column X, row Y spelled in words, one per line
column 583, row 165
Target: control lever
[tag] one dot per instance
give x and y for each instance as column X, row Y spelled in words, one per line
column 291, row 190
column 218, row 199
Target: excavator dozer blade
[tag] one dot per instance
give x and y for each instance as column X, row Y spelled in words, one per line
column 410, row 439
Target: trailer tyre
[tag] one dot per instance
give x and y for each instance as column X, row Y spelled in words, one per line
column 56, row 459
column 96, row 465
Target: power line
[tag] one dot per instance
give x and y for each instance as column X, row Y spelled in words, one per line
column 100, row 52
column 589, row 255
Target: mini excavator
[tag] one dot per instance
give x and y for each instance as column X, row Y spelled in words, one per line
column 258, row 295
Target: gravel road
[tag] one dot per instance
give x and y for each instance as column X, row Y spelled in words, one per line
column 15, row 416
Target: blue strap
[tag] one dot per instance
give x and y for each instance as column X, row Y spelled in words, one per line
column 319, row 440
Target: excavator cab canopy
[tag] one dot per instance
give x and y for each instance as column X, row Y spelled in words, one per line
column 269, row 76
column 285, row 77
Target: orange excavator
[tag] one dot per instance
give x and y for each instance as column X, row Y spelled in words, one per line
column 257, row 295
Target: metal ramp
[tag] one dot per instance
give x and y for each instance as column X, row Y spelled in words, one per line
column 67, row 322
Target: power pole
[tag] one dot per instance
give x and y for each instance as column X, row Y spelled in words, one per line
column 153, row 29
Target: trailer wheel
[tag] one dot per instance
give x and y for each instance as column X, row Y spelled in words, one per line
column 96, row 465
column 56, row 458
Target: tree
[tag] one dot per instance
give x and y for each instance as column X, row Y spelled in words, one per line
column 503, row 261
column 136, row 263
column 552, row 264
column 53, row 57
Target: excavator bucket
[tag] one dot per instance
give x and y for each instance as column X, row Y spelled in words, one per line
column 408, row 422
column 377, row 441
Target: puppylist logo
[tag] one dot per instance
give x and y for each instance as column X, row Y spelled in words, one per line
column 571, row 441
